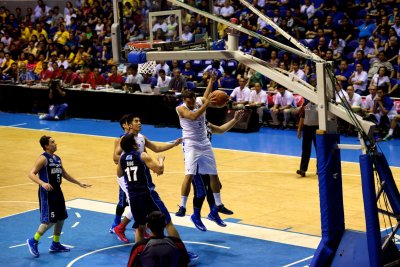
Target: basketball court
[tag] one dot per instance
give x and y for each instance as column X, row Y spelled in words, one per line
column 276, row 220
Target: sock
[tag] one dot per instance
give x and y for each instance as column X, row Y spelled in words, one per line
column 391, row 131
column 37, row 236
column 217, row 197
column 56, row 238
column 183, row 201
column 196, row 212
column 117, row 219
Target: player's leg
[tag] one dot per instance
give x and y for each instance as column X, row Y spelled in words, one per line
column 120, row 208
column 213, row 215
column 139, row 233
column 56, row 246
column 207, row 165
column 191, row 156
column 34, row 241
column 215, row 187
column 198, row 199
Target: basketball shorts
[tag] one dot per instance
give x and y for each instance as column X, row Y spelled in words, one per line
column 52, row 206
column 199, row 159
column 145, row 203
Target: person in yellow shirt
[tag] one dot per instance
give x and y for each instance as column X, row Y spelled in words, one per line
column 6, row 65
column 78, row 60
column 40, row 30
column 39, row 66
column 21, row 60
column 61, row 36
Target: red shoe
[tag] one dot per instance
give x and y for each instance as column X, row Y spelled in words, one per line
column 120, row 233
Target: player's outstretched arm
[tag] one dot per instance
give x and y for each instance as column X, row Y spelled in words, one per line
column 161, row 147
column 40, row 162
column 73, row 180
column 228, row 125
column 152, row 164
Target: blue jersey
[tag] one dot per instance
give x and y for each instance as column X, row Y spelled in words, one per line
column 137, row 175
column 52, row 172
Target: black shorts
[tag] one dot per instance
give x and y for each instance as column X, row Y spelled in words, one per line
column 142, row 205
column 52, row 205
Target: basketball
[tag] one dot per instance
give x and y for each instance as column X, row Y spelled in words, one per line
column 221, row 98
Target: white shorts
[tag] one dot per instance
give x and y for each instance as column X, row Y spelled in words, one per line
column 199, row 159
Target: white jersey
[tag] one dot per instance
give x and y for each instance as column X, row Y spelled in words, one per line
column 194, row 130
column 140, row 141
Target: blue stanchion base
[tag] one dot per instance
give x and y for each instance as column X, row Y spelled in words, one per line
column 352, row 250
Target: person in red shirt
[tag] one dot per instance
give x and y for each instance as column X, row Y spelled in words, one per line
column 88, row 76
column 71, row 78
column 115, row 80
column 45, row 74
column 100, row 80
column 57, row 73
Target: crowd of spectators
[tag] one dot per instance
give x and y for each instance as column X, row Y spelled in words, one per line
column 361, row 38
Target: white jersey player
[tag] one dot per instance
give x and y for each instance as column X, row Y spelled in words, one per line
column 198, row 154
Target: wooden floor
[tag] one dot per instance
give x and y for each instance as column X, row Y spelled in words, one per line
column 262, row 189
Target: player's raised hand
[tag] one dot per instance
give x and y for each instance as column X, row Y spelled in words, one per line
column 211, row 99
column 214, row 75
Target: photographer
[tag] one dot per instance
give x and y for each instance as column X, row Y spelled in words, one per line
column 58, row 107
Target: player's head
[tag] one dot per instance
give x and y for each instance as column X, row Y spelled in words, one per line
column 128, row 143
column 48, row 143
column 189, row 98
column 134, row 123
column 156, row 222
column 123, row 122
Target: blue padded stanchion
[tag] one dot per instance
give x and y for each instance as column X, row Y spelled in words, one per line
column 331, row 198
column 371, row 211
column 385, row 174
column 137, row 57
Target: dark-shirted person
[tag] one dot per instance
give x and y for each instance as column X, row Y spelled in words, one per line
column 158, row 250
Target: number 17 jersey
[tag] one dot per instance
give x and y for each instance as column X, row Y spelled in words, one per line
column 136, row 174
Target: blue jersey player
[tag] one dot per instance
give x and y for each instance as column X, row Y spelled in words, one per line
column 135, row 166
column 48, row 173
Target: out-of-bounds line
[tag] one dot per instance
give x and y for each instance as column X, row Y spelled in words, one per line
column 294, row 263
